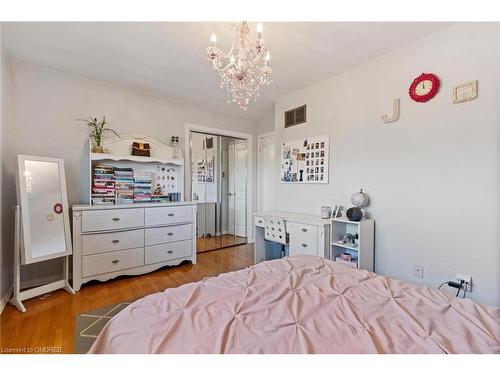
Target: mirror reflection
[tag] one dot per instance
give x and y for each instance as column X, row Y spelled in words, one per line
column 218, row 183
column 43, row 188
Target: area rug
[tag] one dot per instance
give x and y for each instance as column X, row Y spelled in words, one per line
column 88, row 325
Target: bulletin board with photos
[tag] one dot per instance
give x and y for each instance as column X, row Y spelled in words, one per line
column 305, row 160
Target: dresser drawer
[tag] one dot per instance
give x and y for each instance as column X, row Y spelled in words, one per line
column 111, row 262
column 168, row 215
column 155, row 236
column 304, row 230
column 303, row 246
column 169, row 251
column 303, row 239
column 97, row 220
column 106, row 242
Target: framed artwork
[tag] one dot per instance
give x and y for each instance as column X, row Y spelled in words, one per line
column 306, row 160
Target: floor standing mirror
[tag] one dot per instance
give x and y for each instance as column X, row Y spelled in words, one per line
column 42, row 229
column 218, row 184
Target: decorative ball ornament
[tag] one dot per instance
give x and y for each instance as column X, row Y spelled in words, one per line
column 359, row 199
column 424, row 87
column 354, row 214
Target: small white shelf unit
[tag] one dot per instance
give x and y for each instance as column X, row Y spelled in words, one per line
column 119, row 155
column 362, row 254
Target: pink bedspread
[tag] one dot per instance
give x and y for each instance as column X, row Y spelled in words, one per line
column 301, row 305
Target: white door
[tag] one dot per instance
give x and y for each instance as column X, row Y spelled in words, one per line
column 240, row 187
column 266, row 174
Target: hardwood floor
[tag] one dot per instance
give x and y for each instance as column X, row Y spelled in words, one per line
column 50, row 322
column 218, row 242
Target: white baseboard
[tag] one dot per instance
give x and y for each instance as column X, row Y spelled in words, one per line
column 6, row 297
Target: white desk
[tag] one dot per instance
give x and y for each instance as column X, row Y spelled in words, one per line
column 308, row 234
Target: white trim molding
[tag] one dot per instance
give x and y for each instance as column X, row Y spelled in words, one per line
column 260, row 137
column 228, row 133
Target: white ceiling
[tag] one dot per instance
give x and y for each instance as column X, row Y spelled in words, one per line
column 168, row 58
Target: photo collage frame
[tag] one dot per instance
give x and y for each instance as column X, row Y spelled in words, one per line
column 306, row 160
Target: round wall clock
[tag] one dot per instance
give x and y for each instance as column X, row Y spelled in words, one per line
column 424, row 87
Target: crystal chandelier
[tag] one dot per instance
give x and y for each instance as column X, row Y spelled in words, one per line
column 245, row 68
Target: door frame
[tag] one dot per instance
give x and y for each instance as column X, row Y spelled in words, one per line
column 260, row 137
column 190, row 127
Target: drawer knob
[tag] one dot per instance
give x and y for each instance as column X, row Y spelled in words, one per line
column 170, row 234
column 260, row 221
column 170, row 214
column 116, row 261
column 116, row 219
column 304, row 229
column 304, row 245
column 115, row 241
column 170, row 252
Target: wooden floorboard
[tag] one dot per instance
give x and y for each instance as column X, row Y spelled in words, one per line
column 50, row 322
column 204, row 244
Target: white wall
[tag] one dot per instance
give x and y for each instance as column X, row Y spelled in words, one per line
column 5, row 210
column 44, row 105
column 265, row 124
column 433, row 177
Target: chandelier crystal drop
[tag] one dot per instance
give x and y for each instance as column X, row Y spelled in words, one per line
column 244, row 68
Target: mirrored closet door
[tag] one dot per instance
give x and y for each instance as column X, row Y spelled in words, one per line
column 218, row 184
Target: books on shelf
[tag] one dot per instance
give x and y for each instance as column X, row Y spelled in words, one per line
column 116, row 185
column 143, row 184
column 124, row 185
column 103, row 184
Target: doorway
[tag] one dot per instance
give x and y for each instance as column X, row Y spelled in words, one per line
column 219, row 184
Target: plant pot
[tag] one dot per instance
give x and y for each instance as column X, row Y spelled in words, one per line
column 98, row 149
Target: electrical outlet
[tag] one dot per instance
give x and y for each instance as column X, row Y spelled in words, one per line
column 418, row 271
column 467, row 279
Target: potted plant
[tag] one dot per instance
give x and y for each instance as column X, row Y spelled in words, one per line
column 97, row 128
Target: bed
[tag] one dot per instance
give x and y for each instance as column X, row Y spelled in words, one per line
column 302, row 304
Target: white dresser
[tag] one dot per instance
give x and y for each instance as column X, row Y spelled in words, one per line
column 109, row 241
column 307, row 234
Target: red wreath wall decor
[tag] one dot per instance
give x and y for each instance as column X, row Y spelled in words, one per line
column 424, row 87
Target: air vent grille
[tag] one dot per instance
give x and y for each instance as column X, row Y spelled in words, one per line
column 295, row 116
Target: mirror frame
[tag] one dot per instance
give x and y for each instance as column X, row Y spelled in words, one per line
column 26, row 254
